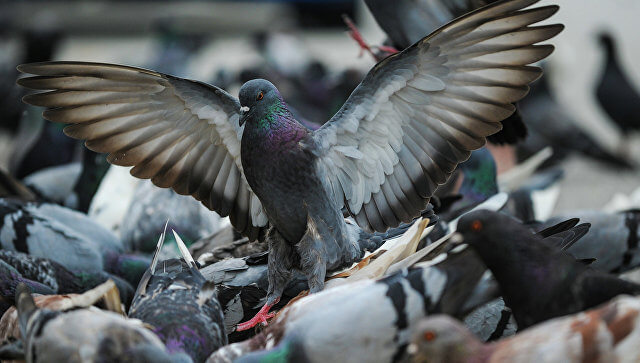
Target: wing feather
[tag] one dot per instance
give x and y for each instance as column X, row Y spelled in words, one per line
column 178, row 133
column 420, row 112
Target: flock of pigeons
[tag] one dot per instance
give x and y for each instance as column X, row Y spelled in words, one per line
column 384, row 234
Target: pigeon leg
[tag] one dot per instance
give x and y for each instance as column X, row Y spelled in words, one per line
column 357, row 36
column 280, row 264
column 313, row 259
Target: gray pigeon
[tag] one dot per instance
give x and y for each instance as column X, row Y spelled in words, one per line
column 152, row 206
column 57, row 233
column 415, row 116
column 84, row 335
column 67, row 237
column 612, row 239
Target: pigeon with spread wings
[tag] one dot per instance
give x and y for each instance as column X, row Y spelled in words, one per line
column 415, row 116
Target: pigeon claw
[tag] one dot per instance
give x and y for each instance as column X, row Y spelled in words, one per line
column 387, row 49
column 260, row 318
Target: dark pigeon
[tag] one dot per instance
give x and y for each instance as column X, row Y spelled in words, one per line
column 10, row 278
column 94, row 168
column 549, row 124
column 57, row 278
column 538, row 282
column 401, row 133
column 494, row 320
column 615, row 93
column 180, row 305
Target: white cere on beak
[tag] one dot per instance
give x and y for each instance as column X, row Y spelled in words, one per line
column 244, row 109
column 456, row 238
column 412, row 349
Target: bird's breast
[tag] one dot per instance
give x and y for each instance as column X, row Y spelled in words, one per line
column 285, row 181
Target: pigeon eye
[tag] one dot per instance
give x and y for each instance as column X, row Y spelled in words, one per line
column 260, row 96
column 429, row 336
column 476, row 226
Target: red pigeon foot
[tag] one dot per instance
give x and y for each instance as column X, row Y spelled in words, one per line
column 261, row 317
column 357, row 36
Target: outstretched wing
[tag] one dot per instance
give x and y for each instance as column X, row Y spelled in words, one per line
column 420, row 112
column 178, row 133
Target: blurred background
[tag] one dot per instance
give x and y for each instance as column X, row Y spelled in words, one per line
column 586, row 108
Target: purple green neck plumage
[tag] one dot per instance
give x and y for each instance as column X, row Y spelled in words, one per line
column 277, row 124
column 277, row 114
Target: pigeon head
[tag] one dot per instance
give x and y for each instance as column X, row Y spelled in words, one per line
column 259, row 98
column 290, row 349
column 486, row 231
column 442, row 339
column 479, row 181
column 130, row 267
column 607, row 43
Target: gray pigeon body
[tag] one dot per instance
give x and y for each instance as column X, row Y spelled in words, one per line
column 55, row 183
column 404, row 129
column 84, row 335
column 153, row 206
column 612, row 239
column 57, row 233
column 67, row 237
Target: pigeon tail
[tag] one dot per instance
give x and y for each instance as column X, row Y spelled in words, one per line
column 184, row 251
column 156, row 254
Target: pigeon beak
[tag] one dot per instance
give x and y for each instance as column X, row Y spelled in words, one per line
column 244, row 111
